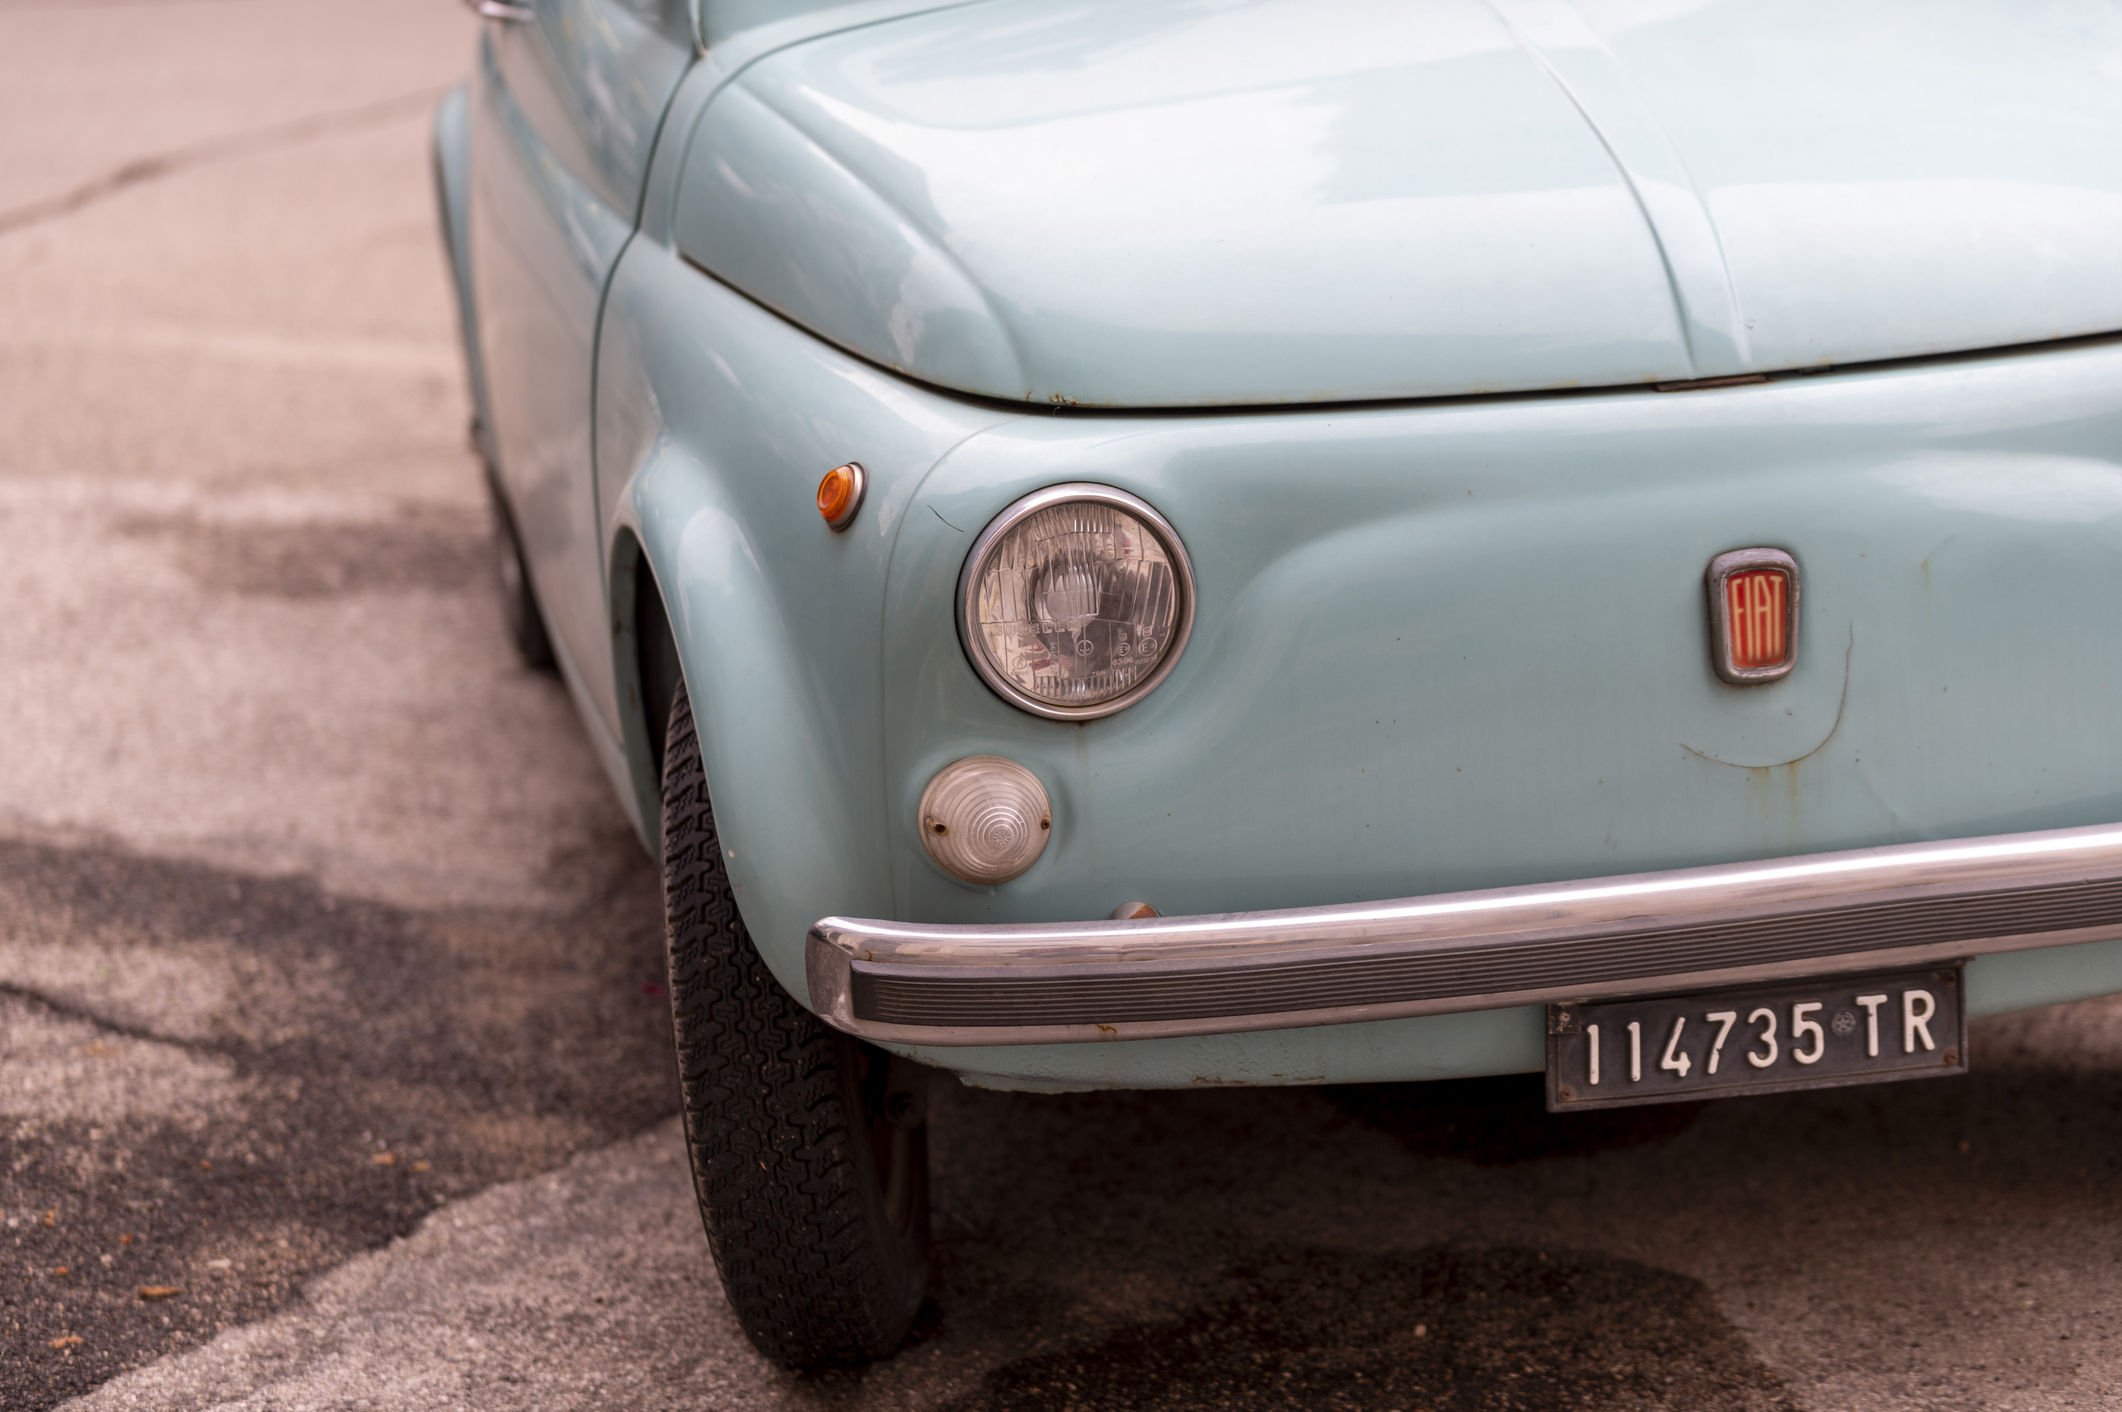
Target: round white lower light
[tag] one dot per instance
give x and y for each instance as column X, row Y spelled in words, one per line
column 985, row 819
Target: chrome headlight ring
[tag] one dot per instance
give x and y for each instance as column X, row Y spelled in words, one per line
column 1016, row 611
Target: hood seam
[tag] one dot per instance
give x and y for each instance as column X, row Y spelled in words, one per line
column 1628, row 179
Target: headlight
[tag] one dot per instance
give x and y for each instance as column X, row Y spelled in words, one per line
column 1076, row 601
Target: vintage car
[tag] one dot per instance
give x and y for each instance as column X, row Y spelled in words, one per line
column 1146, row 543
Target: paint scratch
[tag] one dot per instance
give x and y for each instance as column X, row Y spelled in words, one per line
column 1797, row 759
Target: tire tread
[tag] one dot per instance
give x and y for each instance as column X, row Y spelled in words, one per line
column 777, row 1156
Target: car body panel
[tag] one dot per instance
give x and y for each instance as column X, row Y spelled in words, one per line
column 1469, row 646
column 1968, row 510
column 1891, row 180
column 542, row 243
column 564, row 115
column 1482, row 198
column 593, row 78
column 1546, row 706
column 722, row 21
column 714, row 425
column 1007, row 222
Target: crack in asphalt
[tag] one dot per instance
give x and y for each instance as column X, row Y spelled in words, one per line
column 60, row 1009
column 216, row 149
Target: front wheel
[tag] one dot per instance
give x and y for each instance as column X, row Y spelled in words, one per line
column 809, row 1149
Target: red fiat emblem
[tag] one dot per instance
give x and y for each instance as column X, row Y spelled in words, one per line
column 1753, row 613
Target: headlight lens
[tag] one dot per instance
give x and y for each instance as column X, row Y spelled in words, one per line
column 1076, row 601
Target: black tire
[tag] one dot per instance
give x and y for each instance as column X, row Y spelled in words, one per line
column 519, row 601
column 809, row 1149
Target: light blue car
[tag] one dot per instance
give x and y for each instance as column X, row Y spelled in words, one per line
column 1306, row 541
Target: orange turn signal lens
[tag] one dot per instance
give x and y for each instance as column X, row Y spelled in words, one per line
column 840, row 495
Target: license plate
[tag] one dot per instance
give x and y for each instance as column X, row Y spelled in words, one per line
column 1767, row 1039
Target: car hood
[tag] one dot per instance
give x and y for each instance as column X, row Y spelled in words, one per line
column 1176, row 203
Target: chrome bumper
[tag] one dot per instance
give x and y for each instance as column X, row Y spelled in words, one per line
column 1047, row 983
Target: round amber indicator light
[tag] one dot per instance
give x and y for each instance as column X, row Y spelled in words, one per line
column 840, row 495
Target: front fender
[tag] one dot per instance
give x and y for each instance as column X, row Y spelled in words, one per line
column 794, row 799
column 715, row 420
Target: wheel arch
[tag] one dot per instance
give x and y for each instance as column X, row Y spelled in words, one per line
column 645, row 653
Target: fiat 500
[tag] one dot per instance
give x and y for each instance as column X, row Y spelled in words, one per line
column 1156, row 543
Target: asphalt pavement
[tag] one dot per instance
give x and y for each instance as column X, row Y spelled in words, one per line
column 333, row 1047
